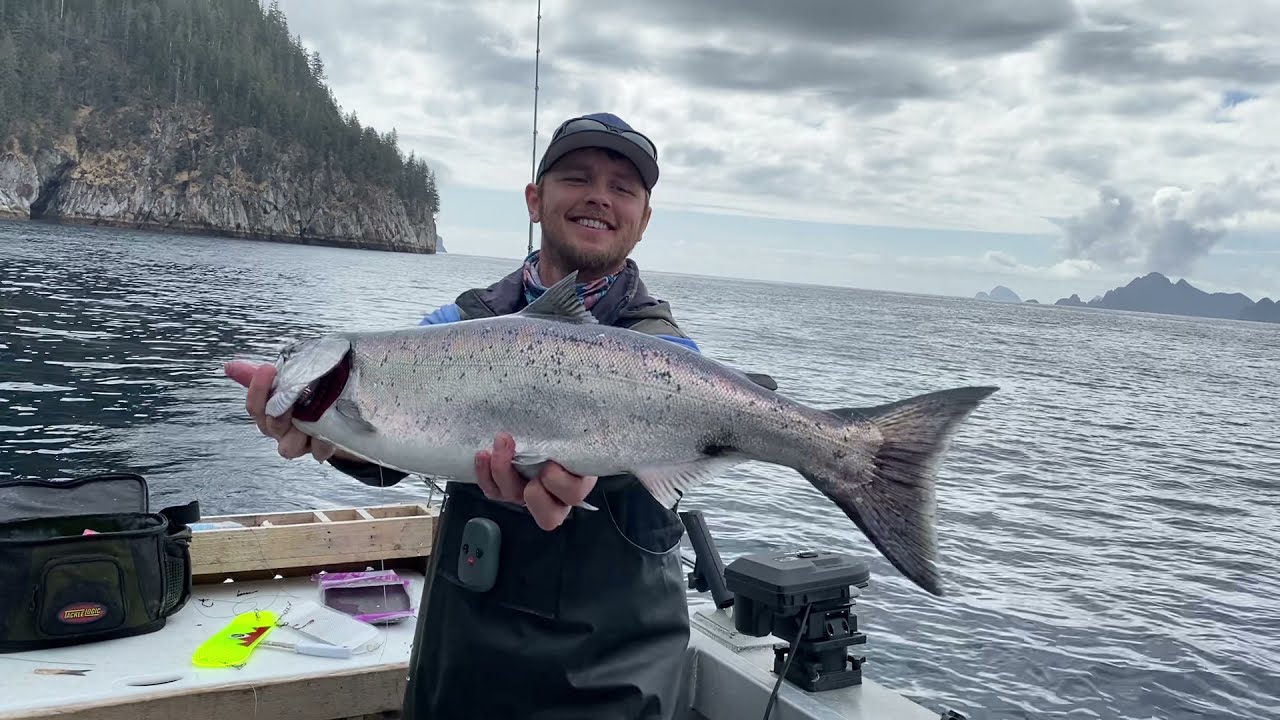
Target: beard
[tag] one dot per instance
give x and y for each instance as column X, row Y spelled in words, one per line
column 592, row 260
column 587, row 261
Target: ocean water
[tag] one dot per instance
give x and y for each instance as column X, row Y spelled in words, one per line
column 1109, row 521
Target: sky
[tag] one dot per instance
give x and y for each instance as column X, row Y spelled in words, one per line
column 925, row 146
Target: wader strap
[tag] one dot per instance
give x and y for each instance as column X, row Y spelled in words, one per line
column 188, row 514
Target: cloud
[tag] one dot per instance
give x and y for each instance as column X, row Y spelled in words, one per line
column 1174, row 229
column 995, row 115
column 985, row 26
column 997, row 262
column 852, row 79
column 1086, row 161
column 1122, row 49
column 1231, row 98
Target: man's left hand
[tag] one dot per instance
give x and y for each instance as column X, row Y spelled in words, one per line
column 549, row 497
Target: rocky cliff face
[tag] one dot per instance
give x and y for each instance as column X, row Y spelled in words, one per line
column 169, row 170
column 19, row 183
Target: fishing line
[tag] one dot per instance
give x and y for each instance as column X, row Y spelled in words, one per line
column 38, row 661
column 786, row 667
column 256, row 599
column 382, row 483
column 253, row 602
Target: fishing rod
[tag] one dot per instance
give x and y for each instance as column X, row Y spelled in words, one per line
column 533, row 150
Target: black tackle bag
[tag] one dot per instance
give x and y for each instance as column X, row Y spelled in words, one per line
column 62, row 586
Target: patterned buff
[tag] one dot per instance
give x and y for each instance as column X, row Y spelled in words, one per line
column 589, row 292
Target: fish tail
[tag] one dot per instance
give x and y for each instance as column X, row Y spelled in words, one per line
column 891, row 495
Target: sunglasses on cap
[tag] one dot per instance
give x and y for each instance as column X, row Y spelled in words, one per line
column 576, row 125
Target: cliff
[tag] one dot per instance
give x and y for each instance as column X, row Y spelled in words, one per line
column 1155, row 293
column 170, row 169
column 202, row 117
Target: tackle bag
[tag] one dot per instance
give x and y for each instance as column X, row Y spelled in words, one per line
column 86, row 559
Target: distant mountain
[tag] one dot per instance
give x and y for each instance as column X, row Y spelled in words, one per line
column 1265, row 310
column 999, row 293
column 1155, row 293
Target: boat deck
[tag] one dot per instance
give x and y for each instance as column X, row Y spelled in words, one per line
column 266, row 564
column 152, row 677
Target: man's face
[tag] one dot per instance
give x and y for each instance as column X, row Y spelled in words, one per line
column 593, row 210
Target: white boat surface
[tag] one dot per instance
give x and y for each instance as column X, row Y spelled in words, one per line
column 728, row 675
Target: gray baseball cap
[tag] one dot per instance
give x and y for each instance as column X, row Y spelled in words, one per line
column 603, row 130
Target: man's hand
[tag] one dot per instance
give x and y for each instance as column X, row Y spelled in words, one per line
column 292, row 442
column 549, row 496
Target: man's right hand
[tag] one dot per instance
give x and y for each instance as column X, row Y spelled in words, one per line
column 292, row 442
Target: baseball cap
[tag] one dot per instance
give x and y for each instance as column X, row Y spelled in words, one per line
column 603, row 130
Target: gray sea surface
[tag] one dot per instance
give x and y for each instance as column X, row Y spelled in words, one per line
column 1109, row 521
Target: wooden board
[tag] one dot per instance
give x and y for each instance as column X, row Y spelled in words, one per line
column 347, row 695
column 299, row 543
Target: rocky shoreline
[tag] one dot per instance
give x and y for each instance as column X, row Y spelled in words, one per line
column 168, row 170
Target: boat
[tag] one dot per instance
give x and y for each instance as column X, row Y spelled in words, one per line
column 270, row 562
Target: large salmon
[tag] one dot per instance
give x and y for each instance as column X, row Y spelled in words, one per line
column 601, row 401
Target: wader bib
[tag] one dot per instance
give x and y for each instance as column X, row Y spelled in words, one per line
column 586, row 621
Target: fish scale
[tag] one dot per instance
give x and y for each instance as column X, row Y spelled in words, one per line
column 606, row 401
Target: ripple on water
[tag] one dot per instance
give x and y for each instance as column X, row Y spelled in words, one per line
column 1108, row 521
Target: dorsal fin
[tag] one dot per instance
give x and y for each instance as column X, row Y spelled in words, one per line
column 561, row 302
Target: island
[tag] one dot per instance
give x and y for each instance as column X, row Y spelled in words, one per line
column 1156, row 293
column 999, row 293
column 204, row 117
column 1265, row 310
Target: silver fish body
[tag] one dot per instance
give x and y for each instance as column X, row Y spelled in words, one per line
column 602, row 401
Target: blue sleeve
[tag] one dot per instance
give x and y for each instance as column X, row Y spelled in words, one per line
column 685, row 342
column 446, row 314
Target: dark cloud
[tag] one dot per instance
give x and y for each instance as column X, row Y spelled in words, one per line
column 851, row 80
column 982, row 26
column 868, row 80
column 1170, row 232
column 1131, row 52
column 600, row 45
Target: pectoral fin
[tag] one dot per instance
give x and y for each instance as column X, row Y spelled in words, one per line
column 350, row 412
column 530, row 464
column 668, row 483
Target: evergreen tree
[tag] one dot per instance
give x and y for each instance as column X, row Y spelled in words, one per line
column 234, row 58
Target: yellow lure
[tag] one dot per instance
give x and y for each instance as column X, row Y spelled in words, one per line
column 233, row 644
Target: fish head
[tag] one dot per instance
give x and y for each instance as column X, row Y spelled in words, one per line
column 310, row 376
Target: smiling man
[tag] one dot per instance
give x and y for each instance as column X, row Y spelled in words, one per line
column 585, row 616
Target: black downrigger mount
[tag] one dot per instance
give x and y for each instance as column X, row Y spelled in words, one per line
column 770, row 592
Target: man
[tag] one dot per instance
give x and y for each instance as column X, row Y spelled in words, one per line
column 587, row 618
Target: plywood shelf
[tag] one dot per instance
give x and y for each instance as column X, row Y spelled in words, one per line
column 300, row 542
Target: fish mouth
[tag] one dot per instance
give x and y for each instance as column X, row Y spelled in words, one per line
column 322, row 393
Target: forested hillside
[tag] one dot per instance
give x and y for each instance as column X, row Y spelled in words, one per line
column 194, row 115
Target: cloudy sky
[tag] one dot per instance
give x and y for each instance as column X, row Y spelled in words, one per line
column 917, row 145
